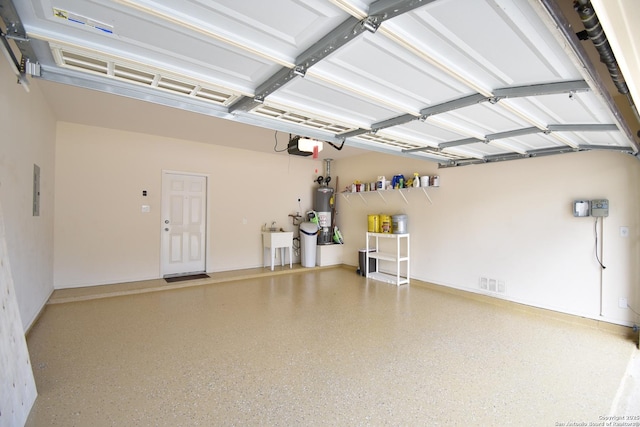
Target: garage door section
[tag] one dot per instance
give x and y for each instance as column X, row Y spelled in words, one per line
column 451, row 81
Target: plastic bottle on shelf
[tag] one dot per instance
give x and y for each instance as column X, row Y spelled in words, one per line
column 416, row 179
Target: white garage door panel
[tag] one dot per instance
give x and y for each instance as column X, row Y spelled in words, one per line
column 563, row 109
column 425, row 133
column 479, row 150
column 363, row 70
column 486, row 29
column 584, row 139
column 186, row 51
column 375, row 65
column 315, row 96
column 260, row 26
column 525, row 143
column 483, row 119
column 485, row 45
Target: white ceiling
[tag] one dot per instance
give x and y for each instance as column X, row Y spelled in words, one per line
column 453, row 81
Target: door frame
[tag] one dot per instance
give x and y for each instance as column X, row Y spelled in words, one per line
column 207, row 224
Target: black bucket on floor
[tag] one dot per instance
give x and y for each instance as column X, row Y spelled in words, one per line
column 362, row 262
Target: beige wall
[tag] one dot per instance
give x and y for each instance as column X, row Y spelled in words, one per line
column 28, row 138
column 513, row 221
column 101, row 235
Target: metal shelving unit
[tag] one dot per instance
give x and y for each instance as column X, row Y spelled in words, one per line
column 398, row 256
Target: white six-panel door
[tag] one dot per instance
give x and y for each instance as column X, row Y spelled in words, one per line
column 184, row 208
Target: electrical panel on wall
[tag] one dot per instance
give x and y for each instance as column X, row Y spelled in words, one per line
column 600, row 207
column 580, row 208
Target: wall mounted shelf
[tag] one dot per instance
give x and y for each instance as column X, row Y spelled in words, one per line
column 363, row 195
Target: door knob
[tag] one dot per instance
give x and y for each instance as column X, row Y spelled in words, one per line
column 166, row 229
column 166, row 221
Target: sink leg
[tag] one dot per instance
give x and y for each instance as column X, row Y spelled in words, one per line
column 273, row 256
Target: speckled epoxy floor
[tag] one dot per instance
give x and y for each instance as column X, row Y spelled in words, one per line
column 317, row 348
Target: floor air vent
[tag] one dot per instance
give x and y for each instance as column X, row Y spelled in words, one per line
column 492, row 285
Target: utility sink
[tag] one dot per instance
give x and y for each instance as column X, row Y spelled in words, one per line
column 282, row 240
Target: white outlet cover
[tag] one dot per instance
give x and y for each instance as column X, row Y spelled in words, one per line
column 622, row 302
column 146, row 208
column 624, row 231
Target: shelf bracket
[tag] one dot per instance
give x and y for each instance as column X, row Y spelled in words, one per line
column 402, row 194
column 382, row 197
column 424, row 190
column 362, row 197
